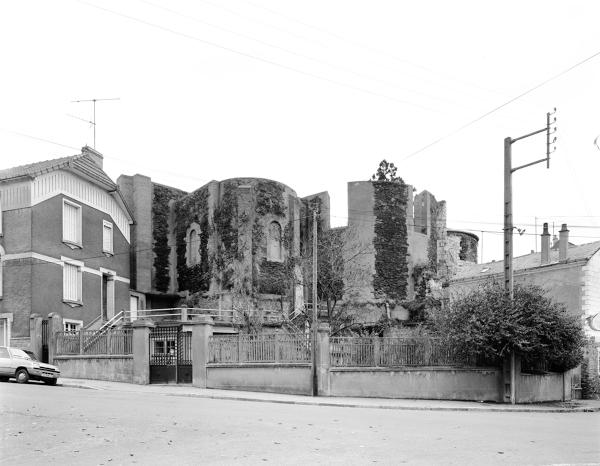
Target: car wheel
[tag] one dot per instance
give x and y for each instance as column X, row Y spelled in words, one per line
column 22, row 376
column 50, row 381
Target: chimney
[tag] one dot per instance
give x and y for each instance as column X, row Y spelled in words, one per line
column 563, row 243
column 545, row 245
column 96, row 156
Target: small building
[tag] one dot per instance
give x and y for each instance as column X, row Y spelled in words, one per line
column 64, row 244
column 569, row 273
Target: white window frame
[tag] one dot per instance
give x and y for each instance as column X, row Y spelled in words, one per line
column 77, row 243
column 107, row 225
column 2, row 253
column 0, row 213
column 77, row 323
column 79, row 285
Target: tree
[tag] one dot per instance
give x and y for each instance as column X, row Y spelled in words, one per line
column 339, row 252
column 485, row 324
column 385, row 172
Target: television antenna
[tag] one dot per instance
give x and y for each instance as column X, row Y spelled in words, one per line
column 93, row 122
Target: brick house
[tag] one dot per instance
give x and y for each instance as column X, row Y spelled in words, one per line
column 64, row 244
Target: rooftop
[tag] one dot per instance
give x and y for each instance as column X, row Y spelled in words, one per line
column 83, row 163
column 528, row 261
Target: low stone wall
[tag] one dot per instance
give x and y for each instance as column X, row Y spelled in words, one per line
column 433, row 383
column 113, row 368
column 292, row 379
column 535, row 388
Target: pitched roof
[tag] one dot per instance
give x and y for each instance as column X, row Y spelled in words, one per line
column 82, row 163
column 528, row 261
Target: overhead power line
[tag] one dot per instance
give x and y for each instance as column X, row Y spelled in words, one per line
column 29, row 136
column 256, row 57
column 495, row 109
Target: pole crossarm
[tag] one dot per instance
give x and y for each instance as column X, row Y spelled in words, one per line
column 545, row 159
column 529, row 135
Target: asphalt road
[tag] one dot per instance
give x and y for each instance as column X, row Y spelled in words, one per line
column 61, row 425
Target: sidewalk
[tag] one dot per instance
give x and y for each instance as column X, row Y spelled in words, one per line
column 377, row 403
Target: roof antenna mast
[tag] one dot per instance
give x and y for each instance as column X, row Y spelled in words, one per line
column 93, row 122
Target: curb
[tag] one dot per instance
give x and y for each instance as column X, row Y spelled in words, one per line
column 363, row 406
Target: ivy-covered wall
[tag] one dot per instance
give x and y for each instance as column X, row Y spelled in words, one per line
column 161, row 197
column 193, row 208
column 390, row 241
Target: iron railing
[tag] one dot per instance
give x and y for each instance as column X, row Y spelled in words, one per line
column 260, row 348
column 393, row 352
column 188, row 313
column 89, row 342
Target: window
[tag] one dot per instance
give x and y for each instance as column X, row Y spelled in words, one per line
column 71, row 224
column 192, row 253
column 107, row 237
column 0, row 213
column 72, row 325
column 274, row 252
column 72, row 281
column 1, row 267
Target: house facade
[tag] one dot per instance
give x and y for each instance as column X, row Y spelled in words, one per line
column 64, row 244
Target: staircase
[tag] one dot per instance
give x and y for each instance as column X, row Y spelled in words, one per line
column 116, row 320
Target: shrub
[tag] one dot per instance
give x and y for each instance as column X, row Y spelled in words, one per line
column 485, row 324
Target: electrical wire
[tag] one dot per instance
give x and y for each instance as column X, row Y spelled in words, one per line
column 257, row 58
column 495, row 109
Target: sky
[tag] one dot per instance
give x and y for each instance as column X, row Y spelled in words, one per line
column 315, row 94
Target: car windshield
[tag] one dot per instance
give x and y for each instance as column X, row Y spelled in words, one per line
column 18, row 353
column 31, row 355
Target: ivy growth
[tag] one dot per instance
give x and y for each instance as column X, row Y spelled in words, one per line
column 193, row 208
column 390, row 242
column 160, row 233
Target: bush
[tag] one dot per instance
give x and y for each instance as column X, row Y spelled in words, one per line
column 486, row 325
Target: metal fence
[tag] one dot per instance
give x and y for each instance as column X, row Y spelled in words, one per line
column 259, row 348
column 392, row 352
column 91, row 342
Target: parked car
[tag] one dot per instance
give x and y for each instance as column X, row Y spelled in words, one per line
column 24, row 366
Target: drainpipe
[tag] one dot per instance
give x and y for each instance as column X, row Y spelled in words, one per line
column 545, row 245
column 563, row 243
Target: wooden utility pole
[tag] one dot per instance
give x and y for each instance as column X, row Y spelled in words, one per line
column 508, row 221
column 315, row 313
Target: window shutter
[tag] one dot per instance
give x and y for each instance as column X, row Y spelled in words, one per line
column 71, row 223
column 71, row 283
column 107, row 238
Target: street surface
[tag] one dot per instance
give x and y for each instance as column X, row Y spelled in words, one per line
column 63, row 425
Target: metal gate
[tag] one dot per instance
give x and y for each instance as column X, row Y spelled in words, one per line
column 170, row 355
column 45, row 339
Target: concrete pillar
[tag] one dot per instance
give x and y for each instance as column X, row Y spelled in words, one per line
column 141, row 351
column 545, row 245
column 35, row 335
column 202, row 330
column 55, row 324
column 184, row 314
column 563, row 243
column 323, row 360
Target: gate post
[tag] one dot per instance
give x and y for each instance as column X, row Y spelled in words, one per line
column 141, row 351
column 55, row 324
column 35, row 335
column 323, row 359
column 202, row 329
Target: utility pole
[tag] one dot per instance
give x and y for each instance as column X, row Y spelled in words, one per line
column 315, row 313
column 93, row 122
column 508, row 222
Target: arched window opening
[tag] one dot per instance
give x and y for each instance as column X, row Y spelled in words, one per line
column 274, row 246
column 192, row 255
